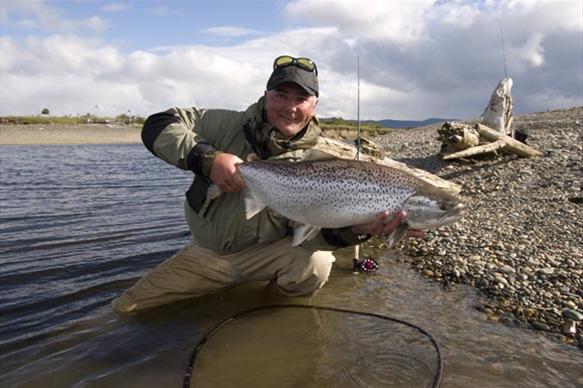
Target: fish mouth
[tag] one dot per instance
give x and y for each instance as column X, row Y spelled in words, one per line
column 455, row 213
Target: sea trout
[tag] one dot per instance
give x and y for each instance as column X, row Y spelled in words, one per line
column 337, row 193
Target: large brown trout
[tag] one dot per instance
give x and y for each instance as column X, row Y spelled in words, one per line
column 336, row 193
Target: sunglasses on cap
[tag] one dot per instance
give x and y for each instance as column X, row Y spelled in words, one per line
column 302, row 63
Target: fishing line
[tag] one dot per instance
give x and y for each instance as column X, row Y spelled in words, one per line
column 437, row 375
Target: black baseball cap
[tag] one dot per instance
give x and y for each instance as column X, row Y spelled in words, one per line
column 308, row 80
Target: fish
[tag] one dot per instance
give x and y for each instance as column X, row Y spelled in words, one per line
column 336, row 193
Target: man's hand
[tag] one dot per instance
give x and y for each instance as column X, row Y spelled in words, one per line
column 380, row 225
column 224, row 172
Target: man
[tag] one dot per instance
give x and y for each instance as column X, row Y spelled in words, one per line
column 226, row 249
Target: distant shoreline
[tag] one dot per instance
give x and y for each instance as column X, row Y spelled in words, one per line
column 20, row 134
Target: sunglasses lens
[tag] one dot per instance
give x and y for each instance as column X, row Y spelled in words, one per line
column 284, row 60
column 306, row 64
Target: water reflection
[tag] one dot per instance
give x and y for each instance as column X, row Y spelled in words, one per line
column 320, row 347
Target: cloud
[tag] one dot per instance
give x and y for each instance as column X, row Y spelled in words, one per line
column 159, row 10
column 39, row 15
column 115, row 7
column 417, row 60
column 397, row 21
column 96, row 24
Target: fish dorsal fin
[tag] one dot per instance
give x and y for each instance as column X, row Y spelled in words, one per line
column 397, row 235
column 252, row 205
column 303, row 232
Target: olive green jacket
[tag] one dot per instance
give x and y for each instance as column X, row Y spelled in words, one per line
column 190, row 138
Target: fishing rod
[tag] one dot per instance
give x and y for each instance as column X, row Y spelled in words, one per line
column 503, row 49
column 367, row 264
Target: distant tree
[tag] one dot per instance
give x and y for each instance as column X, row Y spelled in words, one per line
column 45, row 111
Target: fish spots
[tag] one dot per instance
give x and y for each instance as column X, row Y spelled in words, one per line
column 330, row 193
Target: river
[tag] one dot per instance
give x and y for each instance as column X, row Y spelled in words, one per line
column 80, row 223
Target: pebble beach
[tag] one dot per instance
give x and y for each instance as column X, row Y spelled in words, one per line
column 521, row 241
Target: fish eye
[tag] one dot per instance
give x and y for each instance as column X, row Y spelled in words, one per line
column 443, row 206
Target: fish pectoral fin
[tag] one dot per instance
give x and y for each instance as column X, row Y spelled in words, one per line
column 397, row 235
column 303, row 232
column 252, row 205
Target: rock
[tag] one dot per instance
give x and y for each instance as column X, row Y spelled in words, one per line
column 547, row 271
column 572, row 315
column 540, row 326
column 569, row 328
column 507, row 269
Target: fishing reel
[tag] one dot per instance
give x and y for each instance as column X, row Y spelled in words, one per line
column 366, row 264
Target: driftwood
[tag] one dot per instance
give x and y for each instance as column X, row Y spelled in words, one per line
column 511, row 144
column 457, row 136
column 471, row 151
column 338, row 149
column 498, row 112
column 490, row 141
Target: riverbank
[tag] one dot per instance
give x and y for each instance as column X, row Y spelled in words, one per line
column 521, row 240
column 69, row 134
column 68, row 130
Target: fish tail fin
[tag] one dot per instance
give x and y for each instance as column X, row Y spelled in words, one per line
column 252, row 205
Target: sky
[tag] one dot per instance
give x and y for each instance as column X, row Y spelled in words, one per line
column 416, row 59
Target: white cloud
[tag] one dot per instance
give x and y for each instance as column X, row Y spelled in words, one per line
column 96, row 24
column 532, row 52
column 39, row 15
column 462, row 15
column 397, row 21
column 418, row 59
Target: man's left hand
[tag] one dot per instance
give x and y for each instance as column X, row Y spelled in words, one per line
column 381, row 225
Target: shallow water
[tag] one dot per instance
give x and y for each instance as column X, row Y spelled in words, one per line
column 81, row 223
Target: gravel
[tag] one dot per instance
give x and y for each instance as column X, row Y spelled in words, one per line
column 521, row 241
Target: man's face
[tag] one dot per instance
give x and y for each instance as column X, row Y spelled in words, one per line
column 289, row 108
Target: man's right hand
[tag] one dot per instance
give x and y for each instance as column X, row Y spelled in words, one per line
column 224, row 172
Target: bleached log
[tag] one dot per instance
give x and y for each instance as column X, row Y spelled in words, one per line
column 484, row 148
column 338, row 149
column 498, row 112
column 512, row 145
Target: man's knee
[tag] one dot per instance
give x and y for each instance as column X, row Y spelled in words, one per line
column 306, row 275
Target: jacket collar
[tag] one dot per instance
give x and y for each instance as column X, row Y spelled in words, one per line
column 267, row 141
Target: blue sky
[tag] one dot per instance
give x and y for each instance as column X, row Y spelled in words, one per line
column 144, row 24
column 418, row 59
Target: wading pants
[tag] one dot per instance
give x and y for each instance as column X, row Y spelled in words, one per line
column 195, row 271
